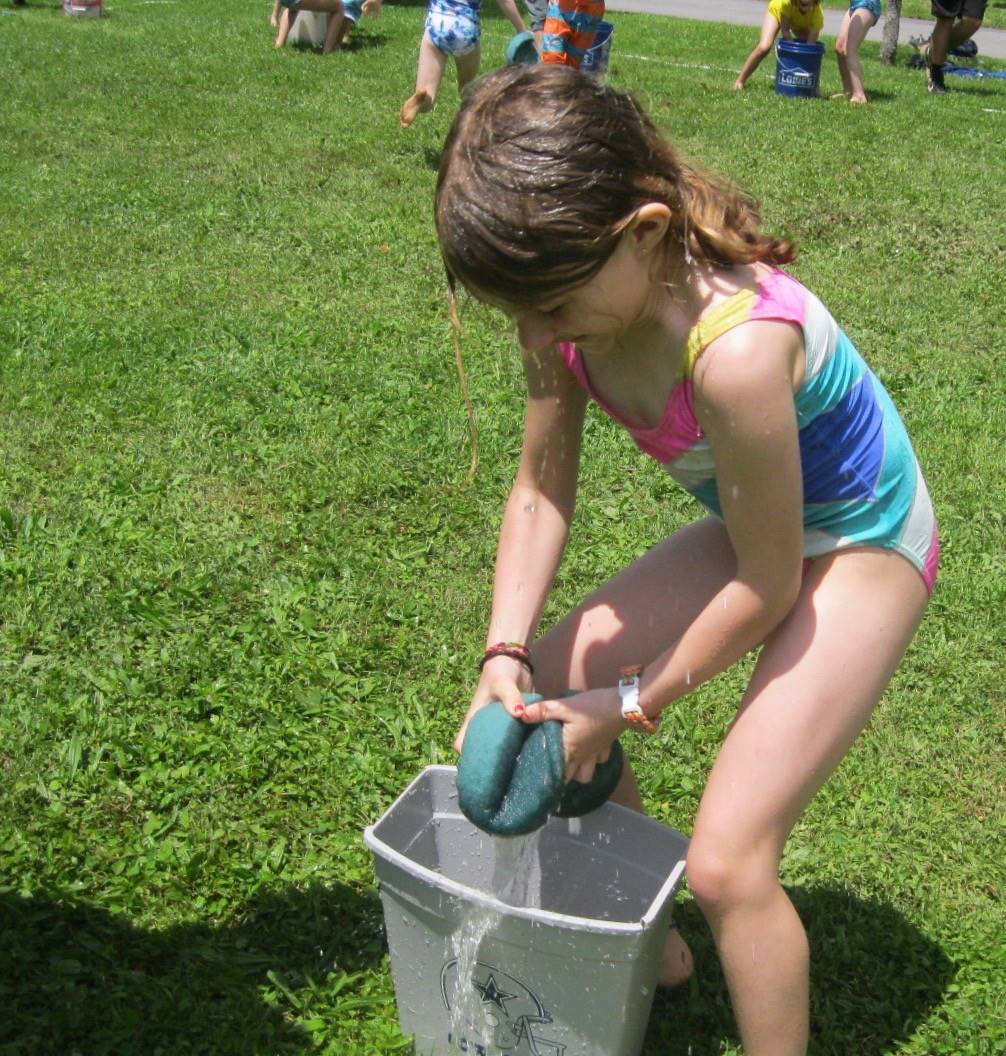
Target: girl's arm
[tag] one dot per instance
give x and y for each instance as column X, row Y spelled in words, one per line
column 536, row 522
column 786, row 28
column 744, row 385
column 769, row 31
column 509, row 8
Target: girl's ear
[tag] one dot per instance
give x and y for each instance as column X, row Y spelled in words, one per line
column 648, row 226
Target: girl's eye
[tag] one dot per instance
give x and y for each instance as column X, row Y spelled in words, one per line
column 554, row 313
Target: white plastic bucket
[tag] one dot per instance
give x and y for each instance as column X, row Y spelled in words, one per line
column 573, row 974
column 83, row 8
column 309, row 29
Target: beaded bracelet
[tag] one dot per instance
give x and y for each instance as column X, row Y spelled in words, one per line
column 515, row 650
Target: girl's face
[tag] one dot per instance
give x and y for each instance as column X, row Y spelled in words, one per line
column 594, row 316
column 806, row 5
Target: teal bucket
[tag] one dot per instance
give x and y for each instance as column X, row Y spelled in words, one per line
column 595, row 59
column 522, row 51
column 798, row 68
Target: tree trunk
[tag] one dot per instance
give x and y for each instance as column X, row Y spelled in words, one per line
column 892, row 24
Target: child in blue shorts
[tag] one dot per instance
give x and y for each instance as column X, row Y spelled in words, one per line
column 453, row 28
column 858, row 21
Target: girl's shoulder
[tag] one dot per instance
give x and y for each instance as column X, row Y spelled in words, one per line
column 742, row 295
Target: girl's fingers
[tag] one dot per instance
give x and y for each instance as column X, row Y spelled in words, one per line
column 542, row 710
column 513, row 701
column 582, row 772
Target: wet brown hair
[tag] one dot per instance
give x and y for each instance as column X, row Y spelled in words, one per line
column 545, row 166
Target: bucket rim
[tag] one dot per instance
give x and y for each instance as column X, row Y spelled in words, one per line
column 801, row 46
column 659, row 904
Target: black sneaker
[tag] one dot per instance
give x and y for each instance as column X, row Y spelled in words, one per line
column 934, row 79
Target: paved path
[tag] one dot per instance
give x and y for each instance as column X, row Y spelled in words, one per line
column 991, row 42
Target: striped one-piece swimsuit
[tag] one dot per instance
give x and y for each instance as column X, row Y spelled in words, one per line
column 862, row 484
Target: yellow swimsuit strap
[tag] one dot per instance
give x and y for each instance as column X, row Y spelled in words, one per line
column 735, row 310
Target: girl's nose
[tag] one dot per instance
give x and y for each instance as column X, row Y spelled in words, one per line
column 535, row 332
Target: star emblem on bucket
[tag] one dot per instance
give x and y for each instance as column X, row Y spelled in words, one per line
column 491, row 993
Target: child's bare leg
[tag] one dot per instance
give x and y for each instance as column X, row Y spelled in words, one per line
column 336, row 31
column 855, row 26
column 841, row 51
column 939, row 42
column 429, row 75
column 344, row 30
column 816, row 683
column 274, row 17
column 769, row 31
column 467, row 67
column 964, row 29
column 286, row 20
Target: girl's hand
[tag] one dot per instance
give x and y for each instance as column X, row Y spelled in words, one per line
column 591, row 722
column 503, row 679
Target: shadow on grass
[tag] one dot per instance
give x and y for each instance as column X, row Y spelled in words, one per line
column 362, row 41
column 76, row 978
column 874, row 978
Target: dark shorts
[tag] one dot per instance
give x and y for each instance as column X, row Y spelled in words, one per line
column 959, row 9
column 294, row 5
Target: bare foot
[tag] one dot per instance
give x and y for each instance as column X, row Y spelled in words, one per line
column 418, row 103
column 738, row 85
column 858, row 99
column 677, row 966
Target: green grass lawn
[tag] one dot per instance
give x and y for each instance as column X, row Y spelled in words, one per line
column 245, row 578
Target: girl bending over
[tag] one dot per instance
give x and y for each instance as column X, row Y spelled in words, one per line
column 637, row 281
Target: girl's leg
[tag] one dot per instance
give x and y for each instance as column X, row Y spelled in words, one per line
column 467, row 66
column 286, row 20
column 769, row 31
column 855, row 26
column 274, row 17
column 841, row 48
column 337, row 26
column 631, row 618
column 428, row 77
column 816, row 683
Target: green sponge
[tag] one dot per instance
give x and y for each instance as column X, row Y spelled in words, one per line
column 511, row 773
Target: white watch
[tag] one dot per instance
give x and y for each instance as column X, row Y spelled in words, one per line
column 628, row 694
column 628, row 691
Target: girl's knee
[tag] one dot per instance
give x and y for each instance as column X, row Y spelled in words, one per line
column 721, row 881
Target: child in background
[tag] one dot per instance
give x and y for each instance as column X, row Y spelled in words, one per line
column 453, row 28
column 570, row 29
column 794, row 19
column 291, row 8
column 861, row 17
column 353, row 11
column 637, row 280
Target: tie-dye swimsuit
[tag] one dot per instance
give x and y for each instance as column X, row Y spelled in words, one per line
column 455, row 26
column 862, row 485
